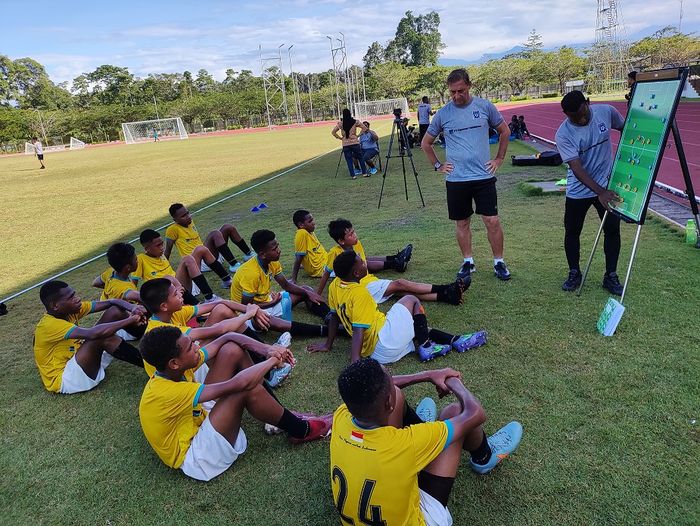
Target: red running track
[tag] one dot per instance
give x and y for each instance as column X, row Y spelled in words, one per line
column 544, row 120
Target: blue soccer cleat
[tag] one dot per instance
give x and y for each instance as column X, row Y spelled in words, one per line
column 277, row 376
column 469, row 341
column 233, row 268
column 431, row 350
column 427, row 410
column 503, row 442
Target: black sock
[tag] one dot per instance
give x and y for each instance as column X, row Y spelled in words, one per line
column 299, row 328
column 218, row 268
column 319, row 309
column 410, row 416
column 482, row 454
column 189, row 298
column 436, row 486
column 294, row 426
column 203, row 286
column 437, row 289
column 243, row 246
column 389, row 263
column 228, row 255
column 128, row 353
column 250, row 333
column 420, row 328
column 440, row 337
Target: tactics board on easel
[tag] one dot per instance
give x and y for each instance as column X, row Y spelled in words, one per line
column 649, row 119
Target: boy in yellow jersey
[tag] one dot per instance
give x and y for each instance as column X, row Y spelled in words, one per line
column 388, row 465
column 205, row 444
column 387, row 338
column 163, row 297
column 251, row 283
column 153, row 264
column 72, row 359
column 184, row 235
column 118, row 282
column 343, row 233
column 308, row 250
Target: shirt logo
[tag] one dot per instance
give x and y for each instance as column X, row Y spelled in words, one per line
column 602, row 127
column 357, row 437
column 476, row 114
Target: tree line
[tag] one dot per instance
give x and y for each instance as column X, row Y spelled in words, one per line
column 93, row 106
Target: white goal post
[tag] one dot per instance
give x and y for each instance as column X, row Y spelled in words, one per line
column 29, row 148
column 380, row 108
column 156, row 129
column 76, row 144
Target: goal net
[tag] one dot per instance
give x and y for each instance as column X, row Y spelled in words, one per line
column 380, row 108
column 29, row 148
column 157, row 129
column 76, row 144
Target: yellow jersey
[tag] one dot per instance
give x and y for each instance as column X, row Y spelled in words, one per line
column 314, row 255
column 374, row 472
column 186, row 238
column 171, row 414
column 116, row 287
column 179, row 319
column 355, row 307
column 359, row 250
column 53, row 346
column 151, row 268
column 251, row 280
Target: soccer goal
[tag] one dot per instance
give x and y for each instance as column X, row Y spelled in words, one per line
column 380, row 108
column 157, row 129
column 29, row 148
column 76, row 144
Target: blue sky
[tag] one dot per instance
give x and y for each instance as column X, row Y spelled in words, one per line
column 158, row 36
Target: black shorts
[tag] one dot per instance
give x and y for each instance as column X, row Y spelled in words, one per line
column 460, row 196
column 40, row 156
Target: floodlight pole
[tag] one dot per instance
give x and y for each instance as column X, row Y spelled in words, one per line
column 297, row 100
column 335, row 77
column 311, row 102
column 156, row 106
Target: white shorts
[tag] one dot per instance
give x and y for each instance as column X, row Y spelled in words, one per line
column 396, row 337
column 434, row 513
column 377, row 289
column 210, row 454
column 74, row 379
column 275, row 310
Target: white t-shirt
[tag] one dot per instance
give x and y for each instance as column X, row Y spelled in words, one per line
column 424, row 113
column 38, row 148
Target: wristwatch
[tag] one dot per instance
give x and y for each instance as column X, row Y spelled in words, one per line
column 437, row 165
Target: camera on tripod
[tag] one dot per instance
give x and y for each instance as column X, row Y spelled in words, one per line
column 397, row 114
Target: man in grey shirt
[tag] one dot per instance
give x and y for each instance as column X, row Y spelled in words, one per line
column 424, row 113
column 583, row 141
column 469, row 171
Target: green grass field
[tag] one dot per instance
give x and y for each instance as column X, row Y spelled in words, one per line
column 610, row 423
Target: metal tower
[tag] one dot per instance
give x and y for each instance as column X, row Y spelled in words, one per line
column 295, row 87
column 273, row 82
column 610, row 61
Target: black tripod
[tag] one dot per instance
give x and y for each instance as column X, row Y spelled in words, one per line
column 399, row 132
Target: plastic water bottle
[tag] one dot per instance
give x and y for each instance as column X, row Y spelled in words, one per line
column 691, row 235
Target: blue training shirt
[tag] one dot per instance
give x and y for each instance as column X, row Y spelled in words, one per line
column 591, row 145
column 466, row 132
column 367, row 142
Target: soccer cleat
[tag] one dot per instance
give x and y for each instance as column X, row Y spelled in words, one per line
column 319, row 427
column 427, row 410
column 213, row 298
column 226, row 283
column 573, row 281
column 454, row 292
column 272, row 430
column 372, row 171
column 285, row 340
column 469, row 341
column 501, row 271
column 402, row 258
column 233, row 268
column 464, row 274
column 353, row 177
column 430, row 350
column 249, row 255
column 612, row 283
column 277, row 376
column 503, row 442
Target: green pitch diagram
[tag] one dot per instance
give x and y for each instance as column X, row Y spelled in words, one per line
column 641, row 146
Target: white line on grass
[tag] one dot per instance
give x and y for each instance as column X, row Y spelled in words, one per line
column 95, row 258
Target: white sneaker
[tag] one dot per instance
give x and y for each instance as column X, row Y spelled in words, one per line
column 128, row 337
column 285, row 340
column 213, row 298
